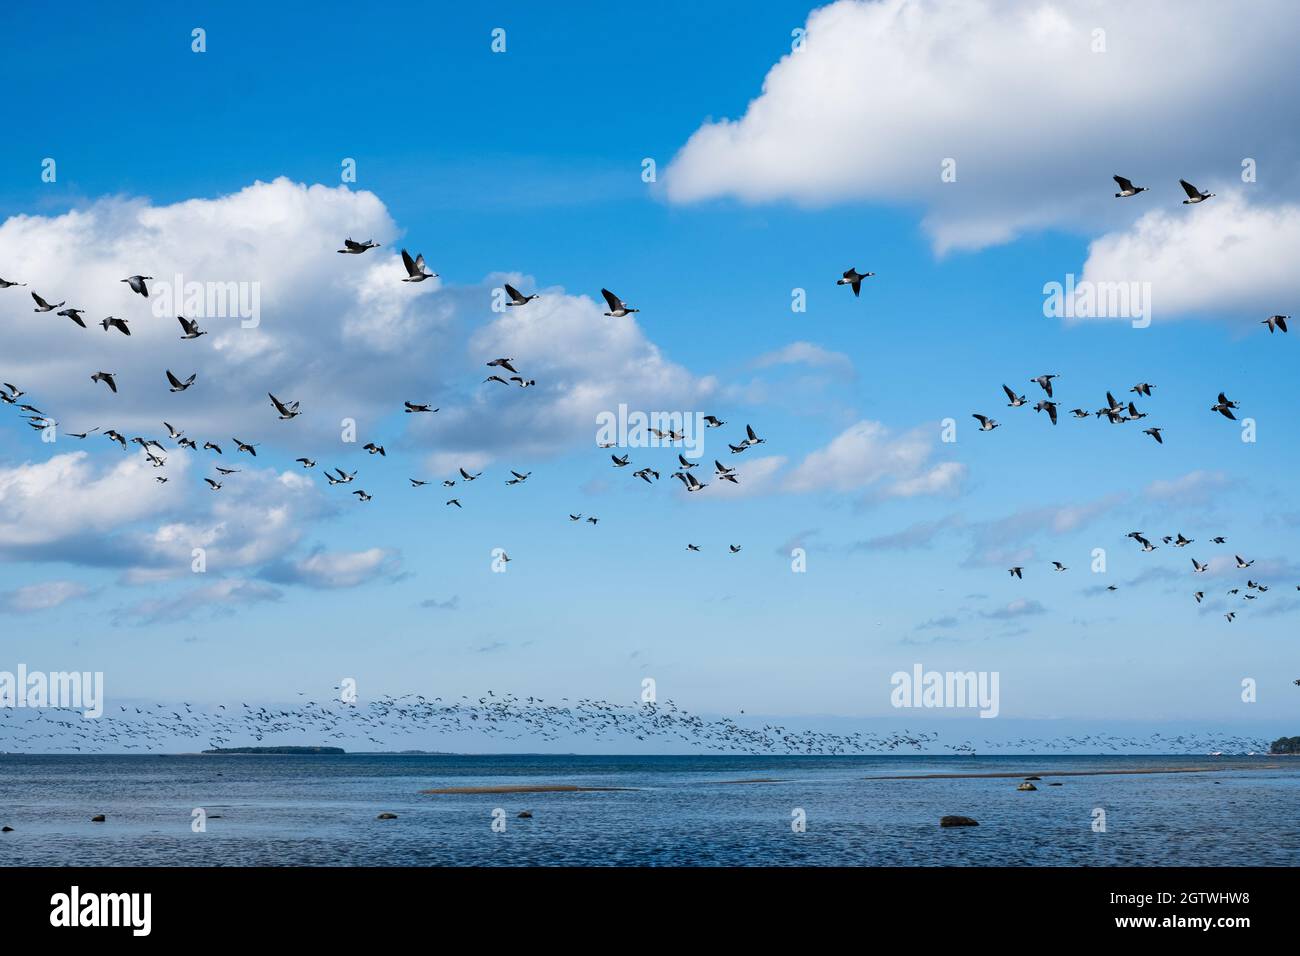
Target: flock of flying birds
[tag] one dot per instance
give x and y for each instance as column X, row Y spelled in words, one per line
column 505, row 717
column 586, row 716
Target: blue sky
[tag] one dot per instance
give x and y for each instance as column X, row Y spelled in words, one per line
column 527, row 166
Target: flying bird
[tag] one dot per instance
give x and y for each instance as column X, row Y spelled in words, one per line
column 286, row 411
column 986, row 424
column 137, row 284
column 190, row 328
column 76, row 316
column 617, row 307
column 177, row 385
column 115, row 323
column 516, row 298
column 353, row 248
column 852, row 277
column 412, row 407
column 1194, row 195
column 1013, row 400
column 43, row 306
column 107, row 378
column 416, row 271
column 1273, row 322
column 1224, row 407
column 1126, row 188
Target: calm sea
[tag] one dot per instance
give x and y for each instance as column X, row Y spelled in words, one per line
column 678, row 811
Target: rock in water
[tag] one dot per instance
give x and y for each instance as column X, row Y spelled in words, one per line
column 958, row 822
column 1026, row 786
column 525, row 815
column 386, row 816
column 1056, row 784
column 1033, row 778
column 98, row 818
column 6, row 829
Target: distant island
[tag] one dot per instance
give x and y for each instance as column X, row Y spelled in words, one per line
column 1285, row 745
column 275, row 750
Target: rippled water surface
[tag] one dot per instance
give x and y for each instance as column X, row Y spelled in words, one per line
column 678, row 810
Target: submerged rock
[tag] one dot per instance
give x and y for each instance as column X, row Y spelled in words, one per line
column 525, row 815
column 956, row 821
column 1056, row 785
column 6, row 829
column 386, row 816
column 1033, row 778
column 98, row 818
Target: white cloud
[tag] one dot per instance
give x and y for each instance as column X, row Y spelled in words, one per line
column 336, row 569
column 44, row 596
column 868, row 454
column 219, row 598
column 806, row 353
column 883, row 92
column 1225, row 257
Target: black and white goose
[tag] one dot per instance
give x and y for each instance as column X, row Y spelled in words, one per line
column 115, row 323
column 518, row 479
column 107, row 378
column 227, row 471
column 374, row 449
column 43, row 306
column 751, row 438
column 5, row 284
column 416, row 482
column 1013, row 400
column 686, row 465
column 353, row 248
column 712, row 421
column 245, row 447
column 1045, row 383
column 690, row 481
column 523, row 382
column 986, row 424
column 189, row 328
column 1017, row 572
column 503, row 363
column 852, row 277
column 1058, row 566
column 361, row 494
column 1049, row 407
column 1242, row 563
column 287, row 411
column 137, row 284
column 1273, row 322
column 1154, row 433
column 174, row 433
column 216, row 485
column 1194, row 195
column 76, row 316
column 415, row 407
column 1080, row 413
column 1126, row 188
column 516, row 298
column 467, row 476
column 416, row 271
column 645, row 475
column 733, row 548
column 1198, row 568
column 692, row 547
column 306, row 462
column 495, row 378
column 621, row 462
column 617, row 307
column 210, row 446
column 1133, row 414
column 1224, row 407
column 177, row 385
column 1142, row 388
column 456, row 502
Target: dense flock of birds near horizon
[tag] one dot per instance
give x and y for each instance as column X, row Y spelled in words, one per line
column 505, row 372
column 384, row 722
